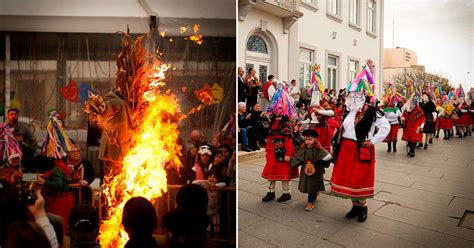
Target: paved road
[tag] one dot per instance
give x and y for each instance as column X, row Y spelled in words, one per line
column 419, row 202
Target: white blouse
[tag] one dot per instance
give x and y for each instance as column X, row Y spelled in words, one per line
column 381, row 123
column 393, row 117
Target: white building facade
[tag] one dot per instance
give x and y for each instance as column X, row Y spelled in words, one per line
column 285, row 37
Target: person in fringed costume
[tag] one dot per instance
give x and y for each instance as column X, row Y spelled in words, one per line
column 279, row 146
column 320, row 111
column 393, row 115
column 429, row 128
column 354, row 167
column 10, row 154
column 462, row 111
column 413, row 119
column 446, row 122
column 58, row 198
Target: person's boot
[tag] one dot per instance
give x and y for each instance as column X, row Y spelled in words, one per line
column 353, row 212
column 268, row 197
column 425, row 147
column 465, row 135
column 389, row 147
column 420, row 145
column 362, row 216
column 431, row 141
column 394, row 146
column 437, row 134
column 446, row 136
column 284, row 197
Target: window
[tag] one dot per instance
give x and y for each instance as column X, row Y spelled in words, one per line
column 313, row 2
column 353, row 67
column 371, row 17
column 306, row 60
column 262, row 73
column 257, row 44
column 332, row 72
column 333, row 7
column 354, row 12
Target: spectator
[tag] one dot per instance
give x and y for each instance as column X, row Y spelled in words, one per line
column 83, row 226
column 27, row 234
column 253, row 85
column 272, row 89
column 295, row 91
column 139, row 221
column 241, row 84
column 222, row 160
column 203, row 164
column 259, row 121
column 197, row 139
column 304, row 97
column 267, row 85
column 245, row 130
column 23, row 129
column 82, row 172
column 188, row 223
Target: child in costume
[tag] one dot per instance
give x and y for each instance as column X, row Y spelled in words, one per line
column 429, row 128
column 414, row 118
column 279, row 147
column 446, row 122
column 312, row 158
column 393, row 116
column 354, row 167
column 58, row 198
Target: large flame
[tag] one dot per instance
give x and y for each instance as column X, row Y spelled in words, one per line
column 154, row 145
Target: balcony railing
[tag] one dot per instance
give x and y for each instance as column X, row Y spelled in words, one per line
column 291, row 5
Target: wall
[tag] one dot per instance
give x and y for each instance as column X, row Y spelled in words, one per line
column 315, row 29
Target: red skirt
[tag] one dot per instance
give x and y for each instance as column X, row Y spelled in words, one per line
column 60, row 204
column 446, row 123
column 464, row 120
column 325, row 136
column 393, row 134
column 351, row 177
column 275, row 170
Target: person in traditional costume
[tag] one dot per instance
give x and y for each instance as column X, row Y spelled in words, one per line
column 429, row 128
column 10, row 155
column 446, row 122
column 58, row 199
column 312, row 158
column 463, row 121
column 393, row 115
column 320, row 115
column 413, row 119
column 354, row 167
column 279, row 148
column 440, row 111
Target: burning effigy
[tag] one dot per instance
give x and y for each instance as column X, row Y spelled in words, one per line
column 140, row 132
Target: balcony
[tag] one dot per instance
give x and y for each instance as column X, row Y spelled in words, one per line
column 288, row 10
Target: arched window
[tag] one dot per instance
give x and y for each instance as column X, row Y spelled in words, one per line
column 257, row 44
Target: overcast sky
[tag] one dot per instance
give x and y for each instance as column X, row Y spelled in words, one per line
column 441, row 32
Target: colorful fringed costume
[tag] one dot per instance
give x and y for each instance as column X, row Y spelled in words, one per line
column 354, row 167
column 279, row 146
column 58, row 198
column 10, row 151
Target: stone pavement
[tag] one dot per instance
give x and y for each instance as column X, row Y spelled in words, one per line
column 420, row 202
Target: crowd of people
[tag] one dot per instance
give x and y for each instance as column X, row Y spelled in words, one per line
column 313, row 128
column 61, row 174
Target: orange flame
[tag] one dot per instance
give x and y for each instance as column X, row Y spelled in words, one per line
column 154, row 145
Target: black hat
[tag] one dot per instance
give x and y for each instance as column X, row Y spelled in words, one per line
column 310, row 133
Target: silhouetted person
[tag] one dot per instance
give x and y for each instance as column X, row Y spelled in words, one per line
column 139, row 220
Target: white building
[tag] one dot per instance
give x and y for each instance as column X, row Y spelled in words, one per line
column 284, row 37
